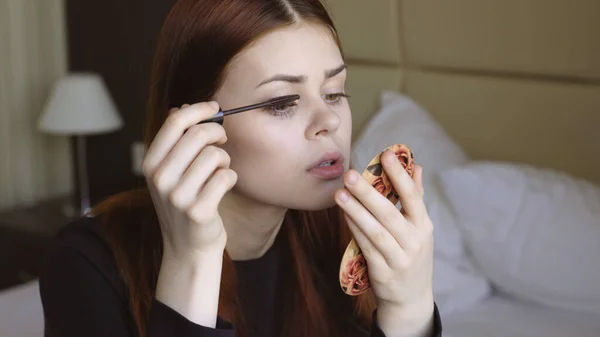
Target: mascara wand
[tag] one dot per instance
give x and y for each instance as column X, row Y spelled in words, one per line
column 219, row 117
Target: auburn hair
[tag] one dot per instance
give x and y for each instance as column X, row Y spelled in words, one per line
column 196, row 43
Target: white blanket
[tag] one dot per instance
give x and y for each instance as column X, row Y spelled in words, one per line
column 504, row 317
column 21, row 313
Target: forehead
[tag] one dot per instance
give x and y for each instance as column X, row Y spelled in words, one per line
column 295, row 50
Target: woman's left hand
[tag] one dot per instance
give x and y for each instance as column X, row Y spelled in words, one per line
column 397, row 246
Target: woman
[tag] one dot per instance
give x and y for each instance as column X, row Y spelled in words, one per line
column 240, row 229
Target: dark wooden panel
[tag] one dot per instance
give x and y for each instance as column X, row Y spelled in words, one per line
column 115, row 39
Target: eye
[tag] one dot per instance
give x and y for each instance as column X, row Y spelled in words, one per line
column 335, row 98
column 281, row 110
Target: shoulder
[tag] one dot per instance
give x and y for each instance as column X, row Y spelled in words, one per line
column 80, row 233
column 83, row 236
column 81, row 289
column 81, row 247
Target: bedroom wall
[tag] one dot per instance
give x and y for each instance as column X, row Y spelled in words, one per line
column 115, row 39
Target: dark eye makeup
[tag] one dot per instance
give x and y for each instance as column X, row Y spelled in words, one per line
column 286, row 110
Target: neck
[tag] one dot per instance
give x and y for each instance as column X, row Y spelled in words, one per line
column 251, row 226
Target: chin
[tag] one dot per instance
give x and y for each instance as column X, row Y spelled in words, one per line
column 312, row 203
column 318, row 207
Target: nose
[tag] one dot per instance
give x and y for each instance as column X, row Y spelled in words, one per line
column 325, row 122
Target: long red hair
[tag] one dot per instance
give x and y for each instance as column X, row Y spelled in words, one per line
column 197, row 40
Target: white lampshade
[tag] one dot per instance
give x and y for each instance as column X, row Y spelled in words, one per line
column 80, row 104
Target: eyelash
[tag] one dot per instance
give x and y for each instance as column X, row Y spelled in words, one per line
column 273, row 110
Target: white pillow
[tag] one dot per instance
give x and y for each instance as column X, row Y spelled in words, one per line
column 401, row 120
column 457, row 283
column 534, row 232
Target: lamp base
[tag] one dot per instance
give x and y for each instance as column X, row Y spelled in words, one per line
column 71, row 210
column 84, row 189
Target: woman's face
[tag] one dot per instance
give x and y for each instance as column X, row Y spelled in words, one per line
column 274, row 151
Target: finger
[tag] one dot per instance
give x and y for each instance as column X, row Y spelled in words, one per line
column 371, row 254
column 210, row 159
column 172, row 129
column 379, row 236
column 418, row 178
column 184, row 152
column 206, row 206
column 382, row 209
column 409, row 195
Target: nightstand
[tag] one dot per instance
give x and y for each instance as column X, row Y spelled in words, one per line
column 24, row 234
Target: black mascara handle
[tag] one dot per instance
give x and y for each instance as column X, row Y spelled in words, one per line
column 217, row 118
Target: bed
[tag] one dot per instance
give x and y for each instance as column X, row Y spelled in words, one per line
column 21, row 313
column 501, row 103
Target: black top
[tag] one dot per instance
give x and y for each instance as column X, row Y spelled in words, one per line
column 83, row 295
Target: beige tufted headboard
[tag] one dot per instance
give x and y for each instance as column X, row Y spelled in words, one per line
column 509, row 80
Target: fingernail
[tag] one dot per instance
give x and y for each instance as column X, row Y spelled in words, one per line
column 214, row 105
column 352, row 178
column 343, row 196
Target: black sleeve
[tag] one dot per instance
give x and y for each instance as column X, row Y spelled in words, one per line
column 437, row 324
column 79, row 300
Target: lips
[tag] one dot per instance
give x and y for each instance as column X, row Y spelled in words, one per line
column 327, row 159
column 328, row 167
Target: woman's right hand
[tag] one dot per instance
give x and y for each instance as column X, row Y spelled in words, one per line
column 187, row 177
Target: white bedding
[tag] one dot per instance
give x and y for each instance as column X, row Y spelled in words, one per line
column 506, row 317
column 21, row 313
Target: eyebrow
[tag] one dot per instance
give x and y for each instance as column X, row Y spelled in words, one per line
column 301, row 78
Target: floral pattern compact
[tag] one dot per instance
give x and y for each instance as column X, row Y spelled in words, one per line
column 354, row 278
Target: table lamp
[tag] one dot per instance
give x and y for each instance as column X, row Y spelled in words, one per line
column 80, row 105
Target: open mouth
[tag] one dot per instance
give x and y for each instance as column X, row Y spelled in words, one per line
column 329, row 166
column 326, row 163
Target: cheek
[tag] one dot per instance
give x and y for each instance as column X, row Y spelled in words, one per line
column 258, row 152
column 345, row 131
column 347, row 122
column 266, row 171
